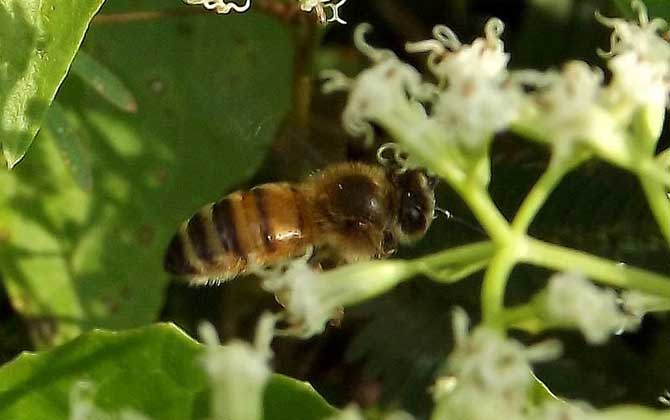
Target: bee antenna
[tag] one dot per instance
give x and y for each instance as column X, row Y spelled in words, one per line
column 450, row 216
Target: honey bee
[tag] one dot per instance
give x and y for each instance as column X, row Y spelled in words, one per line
column 353, row 211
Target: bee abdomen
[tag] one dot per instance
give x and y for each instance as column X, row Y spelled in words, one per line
column 223, row 217
column 249, row 229
column 207, row 244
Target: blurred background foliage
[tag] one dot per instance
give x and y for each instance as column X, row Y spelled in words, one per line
column 167, row 108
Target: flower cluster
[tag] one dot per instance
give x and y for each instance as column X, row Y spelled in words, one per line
column 639, row 58
column 470, row 102
column 451, row 122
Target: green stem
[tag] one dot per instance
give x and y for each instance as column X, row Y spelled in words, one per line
column 663, row 158
column 518, row 314
column 459, row 256
column 540, row 192
column 486, row 212
column 659, row 203
column 455, row 274
column 495, row 282
column 654, row 171
column 599, row 269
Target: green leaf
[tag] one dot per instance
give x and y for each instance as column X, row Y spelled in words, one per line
column 289, row 399
column 655, row 8
column 39, row 41
column 211, row 91
column 540, row 393
column 104, row 82
column 69, row 137
column 153, row 370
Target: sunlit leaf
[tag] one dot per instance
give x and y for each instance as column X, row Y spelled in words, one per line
column 155, row 371
column 210, row 97
column 38, row 39
column 104, row 82
column 68, row 136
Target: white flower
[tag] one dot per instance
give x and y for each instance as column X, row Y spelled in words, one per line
column 221, row 6
column 471, row 403
column 570, row 300
column 569, row 108
column 312, row 298
column 384, row 93
column 476, row 99
column 490, row 374
column 320, row 6
column 640, row 58
column 238, row 372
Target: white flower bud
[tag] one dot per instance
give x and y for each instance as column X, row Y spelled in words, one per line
column 312, row 298
column 238, row 372
column 570, row 300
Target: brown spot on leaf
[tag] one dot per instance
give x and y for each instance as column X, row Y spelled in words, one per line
column 145, row 235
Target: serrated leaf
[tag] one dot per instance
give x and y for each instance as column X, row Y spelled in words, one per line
column 211, row 96
column 154, row 371
column 68, row 136
column 104, row 82
column 38, row 40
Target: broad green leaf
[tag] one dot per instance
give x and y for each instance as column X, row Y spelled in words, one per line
column 154, row 371
column 38, row 40
column 210, row 90
column 69, row 137
column 103, row 81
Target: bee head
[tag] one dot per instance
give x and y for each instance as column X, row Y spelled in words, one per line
column 415, row 204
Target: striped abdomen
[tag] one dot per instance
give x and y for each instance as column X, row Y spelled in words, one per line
column 242, row 231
